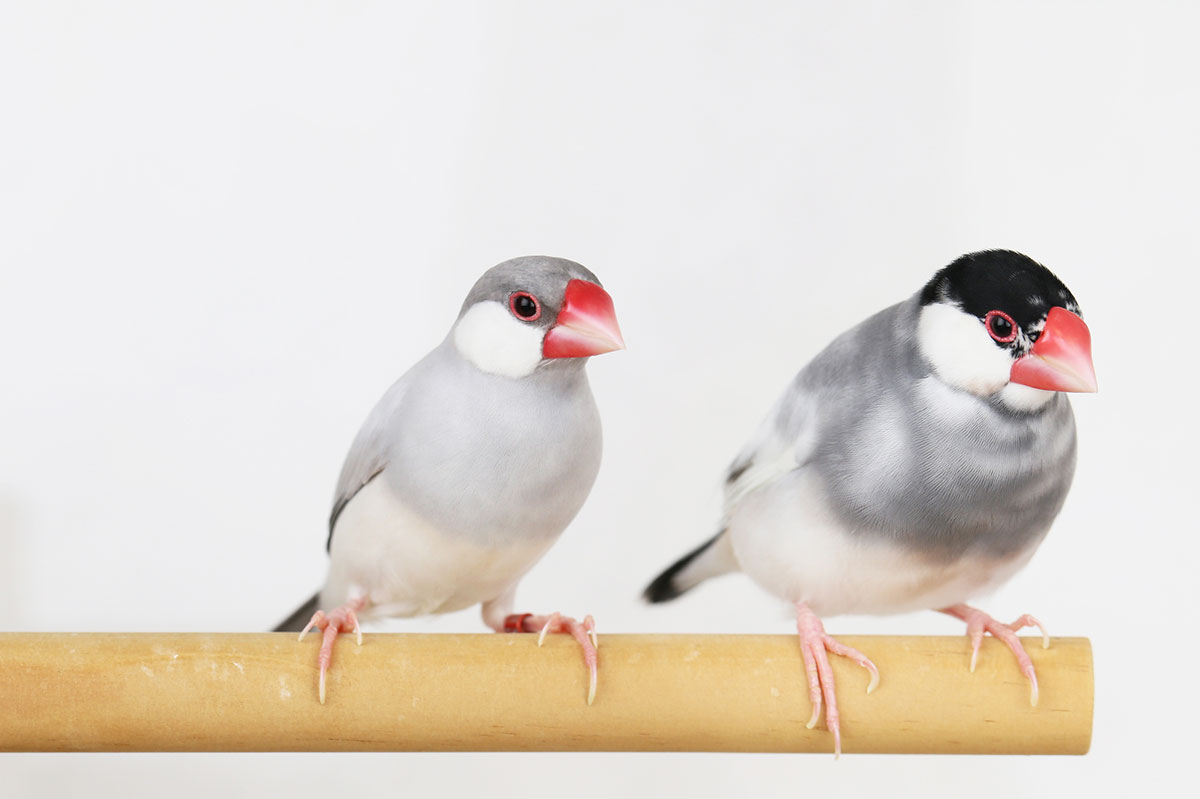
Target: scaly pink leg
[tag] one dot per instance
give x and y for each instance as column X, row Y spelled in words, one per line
column 814, row 642
column 339, row 620
column 979, row 622
column 584, row 633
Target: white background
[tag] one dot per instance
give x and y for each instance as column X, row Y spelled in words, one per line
column 224, row 232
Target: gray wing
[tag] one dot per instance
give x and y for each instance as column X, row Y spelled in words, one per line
column 368, row 455
column 835, row 390
column 833, row 387
column 782, row 443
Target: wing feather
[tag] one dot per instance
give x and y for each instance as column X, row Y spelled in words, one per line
column 368, row 456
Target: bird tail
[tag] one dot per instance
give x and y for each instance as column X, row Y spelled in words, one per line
column 711, row 559
column 300, row 616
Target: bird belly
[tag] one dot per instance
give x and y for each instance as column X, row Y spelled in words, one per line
column 791, row 542
column 406, row 566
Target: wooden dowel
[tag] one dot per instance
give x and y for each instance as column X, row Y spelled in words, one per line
column 737, row 693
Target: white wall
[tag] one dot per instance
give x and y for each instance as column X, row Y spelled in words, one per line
column 223, row 232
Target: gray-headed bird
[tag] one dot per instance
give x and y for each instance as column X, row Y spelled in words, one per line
column 472, row 463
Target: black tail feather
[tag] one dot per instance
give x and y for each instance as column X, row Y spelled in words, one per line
column 300, row 616
column 664, row 588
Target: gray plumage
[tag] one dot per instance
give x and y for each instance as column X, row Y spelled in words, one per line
column 865, row 419
column 486, row 456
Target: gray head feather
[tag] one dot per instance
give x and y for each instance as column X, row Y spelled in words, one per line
column 542, row 276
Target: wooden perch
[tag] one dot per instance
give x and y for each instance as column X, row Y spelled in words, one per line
column 737, row 693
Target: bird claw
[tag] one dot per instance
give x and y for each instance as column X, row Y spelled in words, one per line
column 1029, row 621
column 979, row 623
column 551, row 619
column 589, row 624
column 339, row 620
column 584, row 633
column 814, row 643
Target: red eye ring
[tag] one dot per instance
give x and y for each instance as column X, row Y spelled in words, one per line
column 521, row 297
column 992, row 317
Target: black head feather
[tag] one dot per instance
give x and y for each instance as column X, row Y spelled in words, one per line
column 1000, row 280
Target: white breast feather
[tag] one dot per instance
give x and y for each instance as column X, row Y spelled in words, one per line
column 409, row 567
column 791, row 543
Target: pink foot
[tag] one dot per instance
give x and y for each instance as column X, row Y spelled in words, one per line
column 339, row 620
column 813, row 643
column 979, row 622
column 584, row 633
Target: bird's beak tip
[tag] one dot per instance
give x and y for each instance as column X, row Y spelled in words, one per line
column 586, row 324
column 1061, row 359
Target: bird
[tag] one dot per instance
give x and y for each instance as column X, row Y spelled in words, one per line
column 916, row 462
column 473, row 463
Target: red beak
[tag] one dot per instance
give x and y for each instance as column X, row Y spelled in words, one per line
column 586, row 324
column 1061, row 360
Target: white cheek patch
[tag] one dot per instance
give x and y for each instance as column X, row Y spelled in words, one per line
column 961, row 351
column 496, row 342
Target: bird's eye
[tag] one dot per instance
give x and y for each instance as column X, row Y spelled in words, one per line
column 1000, row 326
column 525, row 306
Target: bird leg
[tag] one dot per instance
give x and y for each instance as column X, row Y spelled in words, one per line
column 584, row 632
column 814, row 642
column 979, row 622
column 340, row 620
